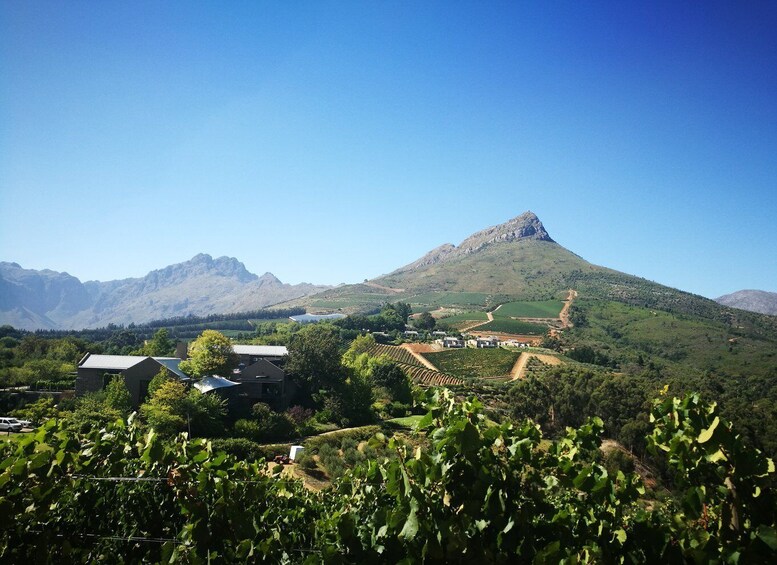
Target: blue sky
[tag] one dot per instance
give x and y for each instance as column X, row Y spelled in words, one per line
column 331, row 142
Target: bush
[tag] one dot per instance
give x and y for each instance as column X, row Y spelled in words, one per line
column 616, row 460
column 306, row 461
column 240, row 448
column 248, row 429
column 398, row 409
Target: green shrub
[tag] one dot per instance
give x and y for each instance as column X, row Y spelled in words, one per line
column 248, row 429
column 241, row 449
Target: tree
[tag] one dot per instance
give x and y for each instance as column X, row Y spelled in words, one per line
column 210, row 354
column 314, row 359
column 37, row 412
column 388, row 376
column 425, row 321
column 117, row 396
column 160, row 345
column 165, row 411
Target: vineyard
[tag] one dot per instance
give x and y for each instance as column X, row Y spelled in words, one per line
column 398, row 354
column 495, row 493
column 427, row 377
column 412, row 367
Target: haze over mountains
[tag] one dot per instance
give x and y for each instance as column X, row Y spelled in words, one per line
column 203, row 285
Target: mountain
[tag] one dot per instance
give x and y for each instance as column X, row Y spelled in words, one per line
column 751, row 300
column 31, row 299
column 515, row 259
column 616, row 312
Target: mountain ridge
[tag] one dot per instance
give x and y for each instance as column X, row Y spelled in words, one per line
column 46, row 299
column 760, row 301
column 526, row 226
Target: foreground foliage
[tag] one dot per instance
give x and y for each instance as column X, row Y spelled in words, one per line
column 467, row 489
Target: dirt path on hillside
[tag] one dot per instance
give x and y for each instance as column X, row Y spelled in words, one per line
column 416, row 349
column 386, row 288
column 489, row 315
column 519, row 369
column 564, row 314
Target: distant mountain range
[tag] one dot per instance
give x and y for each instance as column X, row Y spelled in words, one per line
column 516, row 260
column 31, row 299
column 751, row 300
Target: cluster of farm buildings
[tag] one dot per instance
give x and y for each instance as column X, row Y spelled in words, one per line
column 480, row 342
column 259, row 376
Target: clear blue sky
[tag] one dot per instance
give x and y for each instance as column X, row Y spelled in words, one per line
column 331, row 142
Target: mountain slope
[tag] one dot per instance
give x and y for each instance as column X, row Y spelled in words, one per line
column 46, row 299
column 518, row 260
column 752, row 301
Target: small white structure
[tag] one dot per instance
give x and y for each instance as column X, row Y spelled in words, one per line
column 452, row 342
column 294, row 451
column 214, row 382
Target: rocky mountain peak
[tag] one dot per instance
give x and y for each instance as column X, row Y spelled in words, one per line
column 203, row 264
column 525, row 226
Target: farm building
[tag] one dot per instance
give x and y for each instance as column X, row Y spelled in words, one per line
column 96, row 371
column 452, row 342
column 313, row 318
column 250, row 354
column 260, row 375
column 485, row 342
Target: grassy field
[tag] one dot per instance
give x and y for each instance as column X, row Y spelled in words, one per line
column 407, row 422
column 540, row 309
column 470, row 363
column 465, row 317
column 448, row 299
column 505, row 325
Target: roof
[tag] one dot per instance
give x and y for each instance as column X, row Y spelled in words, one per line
column 304, row 318
column 124, row 362
column 110, row 362
column 207, row 384
column 261, row 350
column 172, row 364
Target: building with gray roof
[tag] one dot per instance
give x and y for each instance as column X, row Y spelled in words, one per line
column 96, row 371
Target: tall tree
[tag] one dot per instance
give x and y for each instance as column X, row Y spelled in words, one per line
column 160, row 345
column 117, row 396
column 210, row 354
column 314, row 358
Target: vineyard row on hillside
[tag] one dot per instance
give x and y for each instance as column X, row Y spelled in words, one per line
column 412, row 367
column 398, row 354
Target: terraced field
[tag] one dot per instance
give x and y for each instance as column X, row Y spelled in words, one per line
column 412, row 367
column 398, row 354
column 427, row 377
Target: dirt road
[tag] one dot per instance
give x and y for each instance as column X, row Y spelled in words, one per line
column 564, row 314
column 384, row 288
column 416, row 349
column 519, row 369
column 489, row 315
